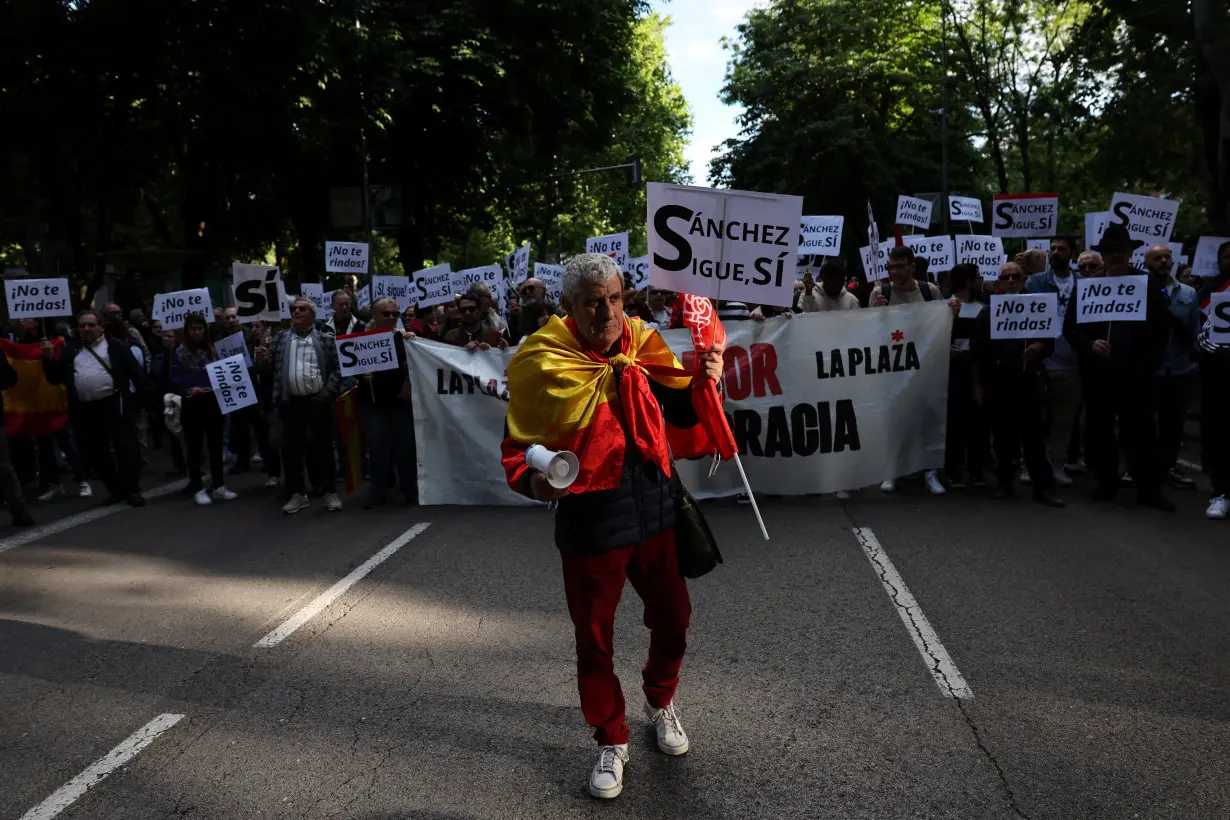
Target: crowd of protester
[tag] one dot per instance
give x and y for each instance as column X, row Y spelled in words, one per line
column 1111, row 399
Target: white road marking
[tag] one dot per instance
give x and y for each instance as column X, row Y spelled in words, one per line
column 337, row 590
column 35, row 533
column 71, row 791
column 1191, row 465
column 935, row 656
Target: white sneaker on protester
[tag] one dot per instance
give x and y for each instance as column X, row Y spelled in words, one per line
column 1061, row 477
column 223, row 494
column 272, row 481
column 332, row 502
column 202, row 498
column 257, row 458
column 1025, row 477
column 841, row 495
column 933, row 483
column 297, row 502
column 671, row 738
column 607, row 778
column 54, row 491
column 889, row 486
column 1218, row 508
column 85, row 490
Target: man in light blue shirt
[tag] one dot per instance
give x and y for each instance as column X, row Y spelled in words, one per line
column 1174, row 377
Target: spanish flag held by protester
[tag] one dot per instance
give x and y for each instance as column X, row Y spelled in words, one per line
column 32, row 406
column 352, row 437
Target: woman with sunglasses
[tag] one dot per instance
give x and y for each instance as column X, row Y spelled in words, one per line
column 200, row 415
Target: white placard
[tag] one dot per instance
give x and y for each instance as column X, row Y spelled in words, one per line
column 1138, row 255
column 233, row 345
column 1148, row 218
column 614, row 245
column 285, row 310
column 638, row 271
column 171, row 308
column 939, row 251
column 37, row 298
column 1219, row 315
column 552, row 276
column 519, row 263
column 314, row 292
column 1112, row 299
column 913, row 211
column 1204, row 263
column 969, row 310
column 433, row 285
column 987, row 252
column 396, row 288
column 1095, row 226
column 231, row 384
column 1038, row 245
column 258, row 291
column 368, row 352
column 346, row 257
column 462, row 279
column 876, row 269
column 1025, row 316
column 821, row 235
column 723, row 244
column 364, row 297
column 1024, row 215
column 964, row 209
column 873, row 230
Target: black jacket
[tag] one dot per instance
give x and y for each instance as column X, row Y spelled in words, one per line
column 1000, row 363
column 124, row 368
column 1136, row 348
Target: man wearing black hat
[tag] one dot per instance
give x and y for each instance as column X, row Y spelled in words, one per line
column 1117, row 363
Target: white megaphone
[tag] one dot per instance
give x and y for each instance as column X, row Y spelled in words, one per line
column 561, row 468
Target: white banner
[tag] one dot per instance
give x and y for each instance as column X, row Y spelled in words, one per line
column 259, row 292
column 809, row 417
column 987, row 252
column 1112, row 299
column 1219, row 315
column 37, row 298
column 1025, row 316
column 462, row 279
column 1204, row 263
column 434, row 286
column 171, row 308
column 876, row 269
column 614, row 245
column 1024, row 215
column 913, row 211
column 346, row 257
column 940, row 251
column 821, row 235
column 233, row 345
column 396, row 288
column 638, row 272
column 723, row 244
column 553, row 277
column 1147, row 218
column 964, row 209
column 231, row 384
column 368, row 352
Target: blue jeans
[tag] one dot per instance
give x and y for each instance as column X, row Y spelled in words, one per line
column 388, row 433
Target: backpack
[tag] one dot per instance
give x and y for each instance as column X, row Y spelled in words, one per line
column 924, row 287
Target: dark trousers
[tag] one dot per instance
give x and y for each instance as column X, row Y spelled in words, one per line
column 10, row 485
column 108, row 442
column 1172, row 395
column 48, row 469
column 1125, row 398
column 203, row 422
column 593, row 585
column 1016, row 423
column 246, row 423
column 388, row 433
column 1214, row 413
column 966, row 443
column 307, row 432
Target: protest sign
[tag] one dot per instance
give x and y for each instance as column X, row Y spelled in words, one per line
column 1038, row 245
column 315, row 293
column 37, row 298
column 1204, row 263
column 1111, row 299
column 1147, row 218
column 519, row 263
column 876, row 269
column 987, row 252
column 1025, row 316
column 233, row 345
column 231, row 384
column 815, row 406
column 638, row 271
column 614, row 245
column 873, row 230
column 364, row 297
column 284, row 309
column 1024, row 215
column 552, row 276
column 964, row 209
column 433, row 285
column 462, row 279
column 821, row 235
column 939, row 251
column 346, row 257
column 723, row 244
column 1139, row 255
column 396, row 288
column 367, row 352
column 913, row 211
column 171, row 308
column 259, row 292
column 1095, row 226
column 1219, row 316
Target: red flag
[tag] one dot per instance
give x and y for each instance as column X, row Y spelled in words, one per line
column 701, row 319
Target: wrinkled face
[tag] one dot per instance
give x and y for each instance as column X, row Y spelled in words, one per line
column 114, row 314
column 301, row 315
column 468, row 308
column 341, row 307
column 532, row 290
column 598, row 311
column 384, row 315
column 900, row 271
column 89, row 328
column 1011, row 279
column 1090, row 265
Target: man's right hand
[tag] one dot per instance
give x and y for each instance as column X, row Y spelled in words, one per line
column 48, row 350
column 809, row 282
column 262, row 354
column 880, row 301
column 542, row 489
column 1101, row 349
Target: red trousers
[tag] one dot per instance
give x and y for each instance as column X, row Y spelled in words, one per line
column 593, row 585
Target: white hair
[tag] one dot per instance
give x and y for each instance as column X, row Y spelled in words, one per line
column 588, row 269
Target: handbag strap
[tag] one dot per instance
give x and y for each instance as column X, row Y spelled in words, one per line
column 100, row 360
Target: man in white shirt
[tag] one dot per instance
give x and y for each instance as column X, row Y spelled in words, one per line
column 830, row 294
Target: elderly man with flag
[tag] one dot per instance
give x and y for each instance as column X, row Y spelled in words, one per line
column 607, row 388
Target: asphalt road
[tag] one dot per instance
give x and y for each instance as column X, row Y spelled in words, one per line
column 1091, row 646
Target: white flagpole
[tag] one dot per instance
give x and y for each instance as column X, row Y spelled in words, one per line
column 751, row 497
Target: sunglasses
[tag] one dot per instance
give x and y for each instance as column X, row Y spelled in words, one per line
column 525, row 290
column 657, row 293
column 1088, row 266
column 1011, row 277
column 298, row 308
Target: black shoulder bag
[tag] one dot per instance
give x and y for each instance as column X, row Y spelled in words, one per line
column 694, row 542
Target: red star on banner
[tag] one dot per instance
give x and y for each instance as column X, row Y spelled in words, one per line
column 898, row 335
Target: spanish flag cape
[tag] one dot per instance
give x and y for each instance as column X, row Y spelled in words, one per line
column 565, row 396
column 32, row 406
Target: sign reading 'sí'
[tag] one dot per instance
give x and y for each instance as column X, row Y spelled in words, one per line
column 259, row 293
column 723, row 244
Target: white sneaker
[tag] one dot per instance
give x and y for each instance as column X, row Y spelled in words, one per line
column 1218, row 508
column 1061, row 477
column 85, row 490
column 607, row 778
column 223, row 494
column 297, row 502
column 1025, row 477
column 933, row 483
column 272, row 481
column 202, row 498
column 257, row 458
column 671, row 737
column 841, row 495
column 332, row 502
column 889, row 486
column 54, row 491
